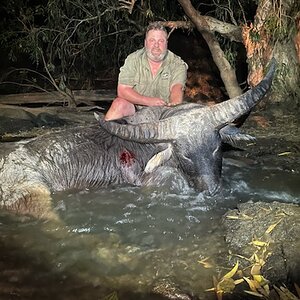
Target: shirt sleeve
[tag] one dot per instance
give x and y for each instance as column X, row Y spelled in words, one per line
column 128, row 71
column 179, row 73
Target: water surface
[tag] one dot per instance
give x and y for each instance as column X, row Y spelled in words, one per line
column 130, row 239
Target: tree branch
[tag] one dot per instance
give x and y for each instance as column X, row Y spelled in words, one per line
column 210, row 24
column 203, row 25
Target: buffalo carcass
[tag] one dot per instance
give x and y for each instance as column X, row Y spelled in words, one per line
column 188, row 136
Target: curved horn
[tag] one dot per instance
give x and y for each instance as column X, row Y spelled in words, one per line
column 227, row 111
column 157, row 132
column 174, row 123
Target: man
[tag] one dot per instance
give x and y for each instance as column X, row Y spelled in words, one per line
column 151, row 76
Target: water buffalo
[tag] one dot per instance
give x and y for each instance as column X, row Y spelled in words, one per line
column 188, row 137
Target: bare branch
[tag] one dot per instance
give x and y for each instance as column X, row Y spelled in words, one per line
column 210, row 24
column 206, row 26
column 227, row 9
column 127, row 5
column 232, row 32
column 178, row 24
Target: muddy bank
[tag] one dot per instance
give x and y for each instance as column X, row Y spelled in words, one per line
column 277, row 141
column 265, row 239
column 18, row 123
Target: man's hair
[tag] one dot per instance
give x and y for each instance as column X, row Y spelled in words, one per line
column 156, row 26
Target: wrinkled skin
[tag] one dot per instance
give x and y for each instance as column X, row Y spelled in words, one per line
column 77, row 158
column 90, row 157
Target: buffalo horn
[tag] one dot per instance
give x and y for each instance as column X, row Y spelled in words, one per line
column 227, row 111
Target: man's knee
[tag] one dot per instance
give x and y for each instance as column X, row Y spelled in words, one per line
column 120, row 103
column 119, row 108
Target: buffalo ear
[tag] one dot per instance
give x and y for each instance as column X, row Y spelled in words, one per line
column 158, row 159
column 232, row 135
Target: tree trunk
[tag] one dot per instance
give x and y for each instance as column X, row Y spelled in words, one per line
column 272, row 35
column 227, row 73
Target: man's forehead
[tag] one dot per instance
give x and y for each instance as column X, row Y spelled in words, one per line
column 156, row 33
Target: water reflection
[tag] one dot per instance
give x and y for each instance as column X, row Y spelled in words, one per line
column 128, row 239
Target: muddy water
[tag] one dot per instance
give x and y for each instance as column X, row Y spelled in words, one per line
column 132, row 240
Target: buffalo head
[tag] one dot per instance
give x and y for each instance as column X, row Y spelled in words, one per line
column 192, row 133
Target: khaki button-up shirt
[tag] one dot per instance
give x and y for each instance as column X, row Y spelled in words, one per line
column 136, row 73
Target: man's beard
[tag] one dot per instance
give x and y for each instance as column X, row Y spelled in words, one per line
column 157, row 58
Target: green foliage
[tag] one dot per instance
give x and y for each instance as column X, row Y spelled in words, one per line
column 231, row 53
column 280, row 28
column 230, row 49
column 254, row 35
column 284, row 83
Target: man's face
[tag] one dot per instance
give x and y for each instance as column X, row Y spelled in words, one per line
column 156, row 45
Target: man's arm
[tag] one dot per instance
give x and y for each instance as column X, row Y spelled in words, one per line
column 176, row 94
column 178, row 81
column 128, row 93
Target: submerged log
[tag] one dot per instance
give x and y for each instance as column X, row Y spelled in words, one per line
column 51, row 98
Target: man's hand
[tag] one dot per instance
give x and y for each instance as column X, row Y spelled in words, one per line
column 156, row 102
column 172, row 104
column 129, row 94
